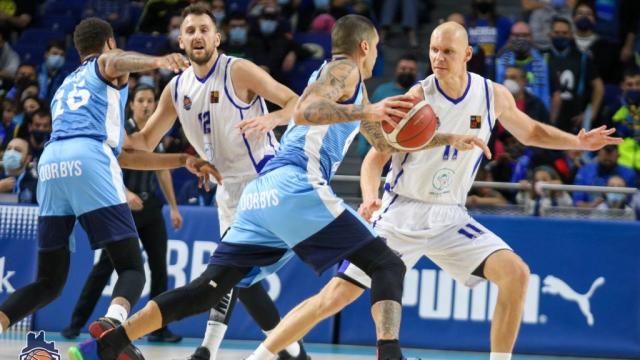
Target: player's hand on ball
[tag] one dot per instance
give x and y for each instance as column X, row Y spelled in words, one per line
column 367, row 208
column 174, row 62
column 597, row 138
column 468, row 142
column 258, row 126
column 203, row 170
column 387, row 108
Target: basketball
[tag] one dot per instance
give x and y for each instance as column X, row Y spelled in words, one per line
column 38, row 355
column 414, row 130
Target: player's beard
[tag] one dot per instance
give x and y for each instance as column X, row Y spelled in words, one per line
column 200, row 60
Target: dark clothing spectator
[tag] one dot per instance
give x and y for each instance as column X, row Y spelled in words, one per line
column 157, row 13
column 409, row 17
column 16, row 15
column 488, row 30
column 25, row 188
column 540, row 22
column 116, row 12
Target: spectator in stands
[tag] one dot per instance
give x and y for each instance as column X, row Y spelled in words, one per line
column 16, row 15
column 238, row 42
column 39, row 132
column 536, row 199
column 218, row 11
column 488, row 30
column 477, row 62
column 568, row 165
column 409, row 10
column 484, row 196
column 618, row 21
column 515, row 79
column 575, row 82
column 600, row 48
column 24, row 74
column 17, row 177
column 540, row 20
column 9, row 60
column 612, row 200
column 598, row 173
column 520, row 52
column 627, row 121
column 115, row 12
column 7, row 127
column 26, row 108
column 51, row 75
column 157, row 14
column 323, row 23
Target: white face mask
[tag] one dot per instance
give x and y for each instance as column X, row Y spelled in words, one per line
column 513, row 86
column 174, row 34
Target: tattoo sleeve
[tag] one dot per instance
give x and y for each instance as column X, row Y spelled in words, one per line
column 132, row 62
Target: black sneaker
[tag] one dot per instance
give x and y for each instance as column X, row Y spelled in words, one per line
column 98, row 327
column 284, row 354
column 201, row 353
column 163, row 335
column 70, row 333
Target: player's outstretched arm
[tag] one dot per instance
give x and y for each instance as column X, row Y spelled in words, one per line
column 338, row 81
column 247, row 76
column 156, row 127
column 533, row 133
column 144, row 160
column 370, row 182
column 115, row 65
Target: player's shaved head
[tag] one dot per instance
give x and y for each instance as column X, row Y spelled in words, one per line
column 451, row 32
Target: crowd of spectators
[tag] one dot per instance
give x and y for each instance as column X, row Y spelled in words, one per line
column 569, row 63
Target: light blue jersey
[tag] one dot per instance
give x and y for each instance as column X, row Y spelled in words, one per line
column 87, row 105
column 318, row 149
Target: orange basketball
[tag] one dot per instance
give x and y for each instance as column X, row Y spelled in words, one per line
column 415, row 129
column 38, row 355
column 387, row 128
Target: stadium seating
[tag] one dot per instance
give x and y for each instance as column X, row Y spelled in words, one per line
column 148, row 44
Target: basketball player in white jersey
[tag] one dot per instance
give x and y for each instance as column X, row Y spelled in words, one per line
column 217, row 99
column 422, row 211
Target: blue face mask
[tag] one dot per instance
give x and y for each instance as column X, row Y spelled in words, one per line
column 268, row 27
column 219, row 16
column 238, row 35
column 615, row 198
column 557, row 3
column 55, row 62
column 12, row 160
column 147, row 80
column 633, row 97
column 584, row 23
column 561, row 42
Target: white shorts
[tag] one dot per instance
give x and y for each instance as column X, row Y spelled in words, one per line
column 227, row 197
column 446, row 234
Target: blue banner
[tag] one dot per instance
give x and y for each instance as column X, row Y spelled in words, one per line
column 583, row 296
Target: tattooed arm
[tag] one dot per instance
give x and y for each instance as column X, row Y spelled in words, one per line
column 115, row 65
column 338, row 81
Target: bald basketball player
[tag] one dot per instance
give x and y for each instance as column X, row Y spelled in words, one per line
column 426, row 216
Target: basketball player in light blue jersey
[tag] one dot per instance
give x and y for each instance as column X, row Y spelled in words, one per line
column 79, row 176
column 290, row 208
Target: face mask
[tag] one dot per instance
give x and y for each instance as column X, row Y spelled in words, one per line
column 485, row 7
column 238, row 35
column 322, row 4
column 40, row 136
column 147, row 80
column 219, row 16
column 406, row 80
column 174, row 34
column 12, row 160
column 55, row 62
column 521, row 47
column 513, row 86
column 558, row 3
column 268, row 27
column 22, row 82
column 560, row 43
column 584, row 23
column 615, row 198
column 633, row 97
column 165, row 73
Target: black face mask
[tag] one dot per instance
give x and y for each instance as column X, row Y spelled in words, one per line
column 40, row 136
column 485, row 7
column 406, row 80
column 521, row 47
column 22, row 82
column 605, row 169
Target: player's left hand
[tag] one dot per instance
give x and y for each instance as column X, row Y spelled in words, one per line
column 468, row 142
column 597, row 138
column 203, row 169
column 176, row 218
column 368, row 207
column 258, row 126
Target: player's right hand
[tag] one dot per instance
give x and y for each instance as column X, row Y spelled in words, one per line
column 174, row 62
column 384, row 109
column 203, row 170
column 368, row 207
column 134, row 201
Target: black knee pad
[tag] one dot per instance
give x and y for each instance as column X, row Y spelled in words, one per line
column 126, row 258
column 385, row 269
column 200, row 295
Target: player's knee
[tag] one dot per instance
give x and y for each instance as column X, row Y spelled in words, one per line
column 515, row 275
column 387, row 278
column 52, row 286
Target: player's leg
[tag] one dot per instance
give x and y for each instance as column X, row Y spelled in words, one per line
column 217, row 324
column 510, row 273
column 91, row 291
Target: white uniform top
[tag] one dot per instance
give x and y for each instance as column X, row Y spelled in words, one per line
column 209, row 109
column 443, row 175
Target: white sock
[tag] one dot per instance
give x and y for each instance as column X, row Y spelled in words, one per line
column 499, row 356
column 261, row 353
column 117, row 312
column 213, row 336
column 293, row 349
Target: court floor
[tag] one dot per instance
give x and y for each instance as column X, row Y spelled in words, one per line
column 10, row 347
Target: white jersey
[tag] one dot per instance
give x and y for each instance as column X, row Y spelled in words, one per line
column 443, row 175
column 209, row 109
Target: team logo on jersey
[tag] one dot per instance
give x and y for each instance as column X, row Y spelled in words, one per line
column 186, row 102
column 214, row 96
column 475, row 122
column 442, row 180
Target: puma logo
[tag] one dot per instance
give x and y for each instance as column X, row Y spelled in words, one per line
column 556, row 286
